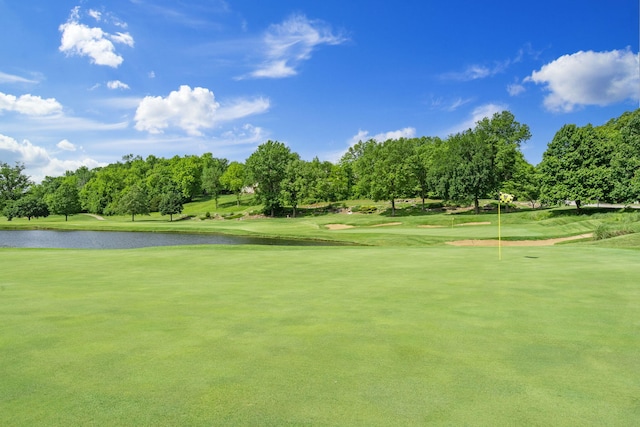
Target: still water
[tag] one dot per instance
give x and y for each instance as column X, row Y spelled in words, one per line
column 129, row 240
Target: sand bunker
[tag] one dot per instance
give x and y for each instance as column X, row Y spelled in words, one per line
column 386, row 224
column 98, row 217
column 546, row 242
column 338, row 226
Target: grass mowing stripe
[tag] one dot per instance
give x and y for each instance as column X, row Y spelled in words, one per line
column 319, row 336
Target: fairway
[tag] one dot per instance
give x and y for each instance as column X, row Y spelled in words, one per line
column 279, row 336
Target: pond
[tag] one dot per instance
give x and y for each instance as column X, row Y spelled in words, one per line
column 130, row 240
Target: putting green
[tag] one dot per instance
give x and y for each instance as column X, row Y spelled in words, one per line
column 320, row 336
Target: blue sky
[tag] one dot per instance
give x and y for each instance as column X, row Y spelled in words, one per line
column 86, row 82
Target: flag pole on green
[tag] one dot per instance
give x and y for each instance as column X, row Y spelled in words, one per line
column 504, row 198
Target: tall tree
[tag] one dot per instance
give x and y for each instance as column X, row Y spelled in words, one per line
column 576, row 166
column 211, row 174
column 100, row 194
column 134, row 201
column 525, row 182
column 422, row 165
column 625, row 161
column 392, row 175
column 30, row 206
column 13, row 183
column 171, row 204
column 295, row 184
column 468, row 168
column 234, row 179
column 187, row 174
column 65, row 200
column 358, row 161
column 479, row 160
column 266, row 167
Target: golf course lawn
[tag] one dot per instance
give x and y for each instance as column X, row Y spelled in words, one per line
column 354, row 336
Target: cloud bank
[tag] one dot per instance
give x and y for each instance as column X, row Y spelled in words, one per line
column 589, row 78
column 29, row 105
column 191, row 110
column 363, row 135
column 37, row 161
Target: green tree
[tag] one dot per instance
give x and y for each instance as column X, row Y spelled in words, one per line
column 576, row 166
column 187, row 174
column 211, row 174
column 266, row 167
column 327, row 182
column 525, row 182
column 625, row 161
column 159, row 181
column 466, row 171
column 31, row 206
column 10, row 210
column 134, row 201
column 234, row 179
column 100, row 194
column 171, row 204
column 476, row 162
column 65, row 200
column 422, row 165
column 358, row 161
column 295, row 184
column 392, row 175
column 13, row 183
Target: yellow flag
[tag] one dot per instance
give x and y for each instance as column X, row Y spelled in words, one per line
column 506, row 198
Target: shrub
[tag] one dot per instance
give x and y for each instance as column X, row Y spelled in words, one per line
column 434, row 205
column 367, row 209
column 607, row 231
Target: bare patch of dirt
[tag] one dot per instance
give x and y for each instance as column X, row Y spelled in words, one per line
column 386, row 224
column 545, row 242
column 338, row 226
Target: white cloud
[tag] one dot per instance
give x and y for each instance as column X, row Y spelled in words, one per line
column 117, row 84
column 457, row 104
column 37, row 161
column 478, row 113
column 191, row 110
column 589, row 78
column 95, row 14
column 364, row 135
column 291, row 42
column 515, row 89
column 10, row 78
column 23, row 152
column 124, row 38
column 66, row 145
column 57, row 167
column 185, row 108
column 29, row 105
column 245, row 134
column 80, row 39
column 481, row 71
column 240, row 108
column 476, row 71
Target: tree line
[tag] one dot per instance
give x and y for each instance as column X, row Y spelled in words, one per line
column 580, row 164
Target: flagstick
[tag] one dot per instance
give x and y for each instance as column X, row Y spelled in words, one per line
column 499, row 233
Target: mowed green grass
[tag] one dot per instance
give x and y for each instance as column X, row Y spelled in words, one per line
column 358, row 336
